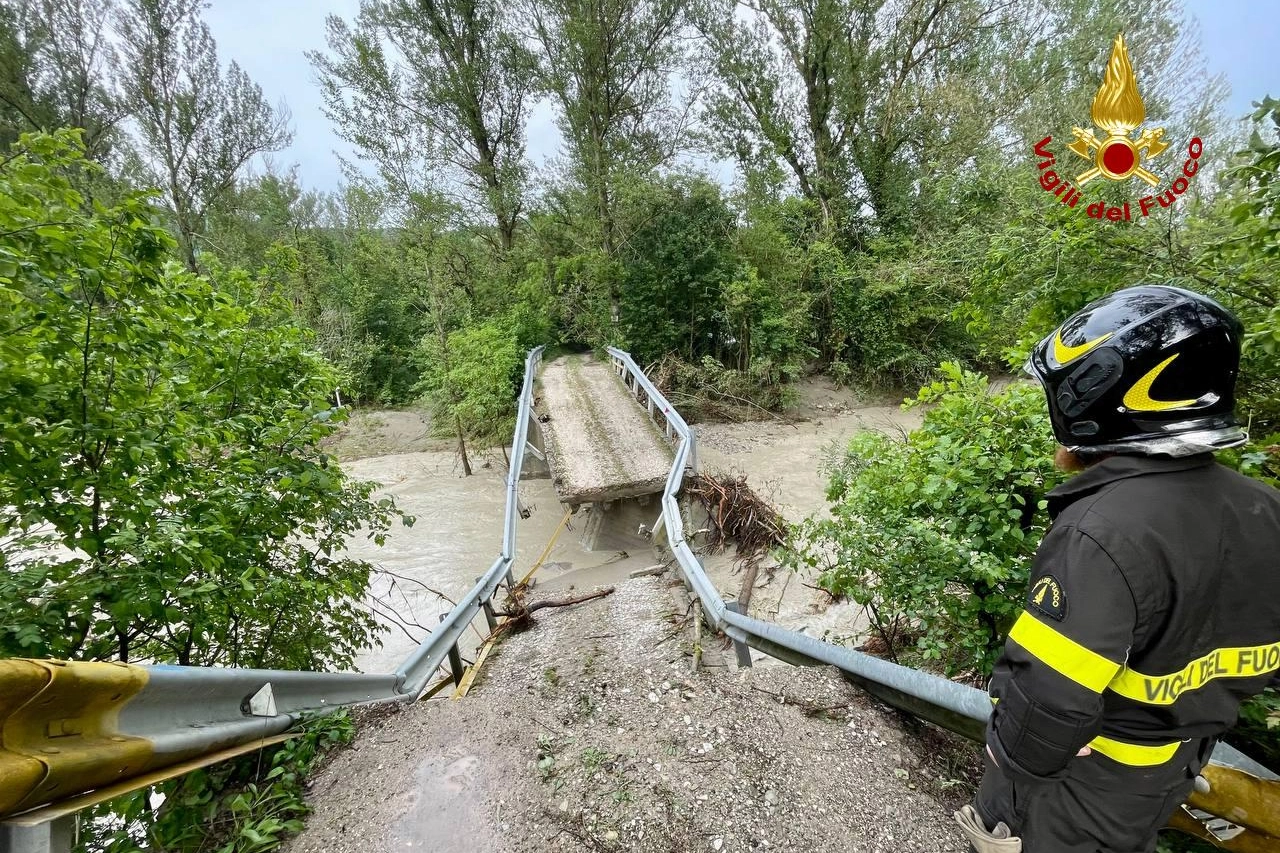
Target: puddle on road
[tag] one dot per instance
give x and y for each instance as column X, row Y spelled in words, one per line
column 443, row 801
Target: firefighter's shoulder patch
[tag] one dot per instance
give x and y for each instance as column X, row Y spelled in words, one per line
column 1048, row 597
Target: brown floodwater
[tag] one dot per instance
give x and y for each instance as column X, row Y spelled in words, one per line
column 455, row 538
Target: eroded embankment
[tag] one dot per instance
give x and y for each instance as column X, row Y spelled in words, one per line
column 588, row 732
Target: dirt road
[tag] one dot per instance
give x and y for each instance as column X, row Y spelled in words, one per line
column 589, row 732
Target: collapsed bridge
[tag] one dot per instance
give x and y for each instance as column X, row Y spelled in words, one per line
column 75, row 734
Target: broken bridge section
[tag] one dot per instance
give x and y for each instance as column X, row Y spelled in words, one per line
column 601, row 447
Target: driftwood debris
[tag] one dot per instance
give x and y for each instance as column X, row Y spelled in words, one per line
column 519, row 615
column 735, row 512
column 538, row 605
column 651, row 570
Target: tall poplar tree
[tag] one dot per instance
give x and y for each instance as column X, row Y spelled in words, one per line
column 608, row 65
column 197, row 125
column 850, row 96
column 57, row 69
column 427, row 89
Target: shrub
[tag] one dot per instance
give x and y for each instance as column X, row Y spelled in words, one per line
column 935, row 534
column 166, row 439
column 248, row 804
column 475, row 381
column 709, row 391
column 884, row 314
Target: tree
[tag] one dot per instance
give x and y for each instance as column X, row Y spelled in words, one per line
column 607, row 63
column 57, row 69
column 679, row 255
column 163, row 492
column 429, row 87
column 260, row 212
column 469, row 382
column 851, row 95
column 1241, row 263
column 197, row 125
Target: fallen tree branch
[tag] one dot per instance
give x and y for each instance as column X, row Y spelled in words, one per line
column 519, row 615
column 538, row 605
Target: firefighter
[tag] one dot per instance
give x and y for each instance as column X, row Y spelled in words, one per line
column 1153, row 607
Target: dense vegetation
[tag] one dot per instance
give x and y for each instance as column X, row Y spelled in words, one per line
column 177, row 322
column 164, row 495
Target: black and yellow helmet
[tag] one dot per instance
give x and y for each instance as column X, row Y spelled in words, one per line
column 1148, row 369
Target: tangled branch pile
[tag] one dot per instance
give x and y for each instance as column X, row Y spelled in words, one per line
column 735, row 512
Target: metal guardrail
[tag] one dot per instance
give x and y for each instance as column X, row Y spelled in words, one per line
column 957, row 707
column 73, row 727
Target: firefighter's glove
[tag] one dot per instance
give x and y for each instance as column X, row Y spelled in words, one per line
column 997, row 840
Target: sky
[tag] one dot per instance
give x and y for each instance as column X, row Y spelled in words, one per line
column 268, row 38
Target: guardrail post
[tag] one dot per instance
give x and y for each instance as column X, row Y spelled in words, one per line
column 55, row 836
column 455, row 659
column 741, row 649
column 693, row 451
column 486, row 604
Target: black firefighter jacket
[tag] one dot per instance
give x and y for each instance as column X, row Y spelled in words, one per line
column 1153, row 611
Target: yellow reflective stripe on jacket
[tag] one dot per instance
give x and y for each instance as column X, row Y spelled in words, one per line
column 1133, row 754
column 1234, row 662
column 1063, row 654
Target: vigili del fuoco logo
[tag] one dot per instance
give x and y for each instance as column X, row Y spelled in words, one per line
column 1118, row 155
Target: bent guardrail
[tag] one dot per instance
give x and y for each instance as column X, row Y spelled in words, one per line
column 957, row 707
column 74, row 727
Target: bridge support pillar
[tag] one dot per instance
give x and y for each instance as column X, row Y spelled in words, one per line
column 621, row 524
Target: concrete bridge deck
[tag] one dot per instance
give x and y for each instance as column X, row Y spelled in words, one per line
column 599, row 442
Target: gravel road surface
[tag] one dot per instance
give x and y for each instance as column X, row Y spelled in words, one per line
column 590, row 732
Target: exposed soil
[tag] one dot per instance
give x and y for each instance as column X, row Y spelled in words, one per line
column 589, row 732
column 384, row 432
